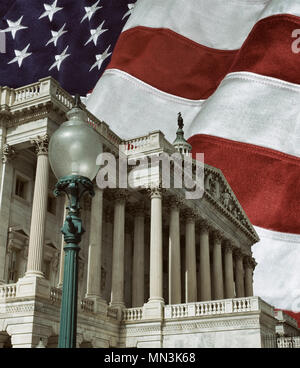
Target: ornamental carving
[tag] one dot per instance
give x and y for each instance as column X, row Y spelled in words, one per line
column 249, row 262
column 120, row 195
column 220, row 194
column 228, row 246
column 218, row 235
column 205, row 225
column 189, row 215
column 136, row 208
column 155, row 192
column 174, row 202
column 238, row 253
column 8, row 153
column 212, row 185
column 41, row 144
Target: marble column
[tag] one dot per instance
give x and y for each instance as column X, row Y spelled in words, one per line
column 117, row 287
column 6, row 187
column 228, row 264
column 239, row 274
column 217, row 266
column 128, row 259
column 190, row 259
column 138, row 269
column 249, row 265
column 204, row 267
column 39, row 209
column 95, row 247
column 156, row 254
column 174, row 253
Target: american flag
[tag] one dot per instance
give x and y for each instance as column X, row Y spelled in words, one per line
column 70, row 40
column 231, row 67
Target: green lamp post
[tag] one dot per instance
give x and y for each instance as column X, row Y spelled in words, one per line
column 73, row 150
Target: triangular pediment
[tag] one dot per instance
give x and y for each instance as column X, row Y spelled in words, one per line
column 218, row 191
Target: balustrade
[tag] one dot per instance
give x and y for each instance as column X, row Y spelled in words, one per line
column 132, row 314
column 8, row 291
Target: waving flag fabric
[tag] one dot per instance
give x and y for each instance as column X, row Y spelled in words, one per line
column 230, row 68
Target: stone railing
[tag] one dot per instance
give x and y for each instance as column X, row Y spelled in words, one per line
column 87, row 305
column 288, row 342
column 150, row 142
column 45, row 91
column 55, row 295
column 217, row 307
column 8, row 291
column 133, row 314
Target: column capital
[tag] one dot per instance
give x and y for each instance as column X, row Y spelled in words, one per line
column 218, row 235
column 228, row 246
column 120, row 195
column 8, row 153
column 174, row 201
column 155, row 192
column 205, row 225
column 238, row 253
column 41, row 143
column 189, row 215
column 137, row 208
column 249, row 262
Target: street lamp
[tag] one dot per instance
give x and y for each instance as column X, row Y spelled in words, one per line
column 73, row 150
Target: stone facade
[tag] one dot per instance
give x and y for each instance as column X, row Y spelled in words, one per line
column 156, row 269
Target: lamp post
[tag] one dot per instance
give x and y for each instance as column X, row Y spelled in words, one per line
column 73, row 150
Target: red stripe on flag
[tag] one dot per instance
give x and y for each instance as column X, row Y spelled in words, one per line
column 170, row 62
column 266, row 182
column 268, row 49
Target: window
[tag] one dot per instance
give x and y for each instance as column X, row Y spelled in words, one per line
column 21, row 189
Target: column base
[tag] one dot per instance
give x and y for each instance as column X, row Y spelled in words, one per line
column 154, row 309
column 33, row 285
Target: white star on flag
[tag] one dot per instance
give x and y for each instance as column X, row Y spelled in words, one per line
column 130, row 7
column 91, row 10
column 100, row 58
column 50, row 10
column 95, row 33
column 56, row 35
column 20, row 56
column 59, row 59
column 14, row 27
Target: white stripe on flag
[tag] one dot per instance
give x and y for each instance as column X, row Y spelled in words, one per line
column 254, row 109
column 215, row 23
column 276, row 276
column 132, row 108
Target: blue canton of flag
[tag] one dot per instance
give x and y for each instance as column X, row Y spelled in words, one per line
column 70, row 40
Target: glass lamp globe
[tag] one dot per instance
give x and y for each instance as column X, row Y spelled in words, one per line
column 74, row 147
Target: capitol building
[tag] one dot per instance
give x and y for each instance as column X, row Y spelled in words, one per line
column 156, row 270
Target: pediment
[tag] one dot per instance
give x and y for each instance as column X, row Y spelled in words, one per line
column 219, row 192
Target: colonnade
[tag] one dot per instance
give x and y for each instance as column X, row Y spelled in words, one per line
column 223, row 270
